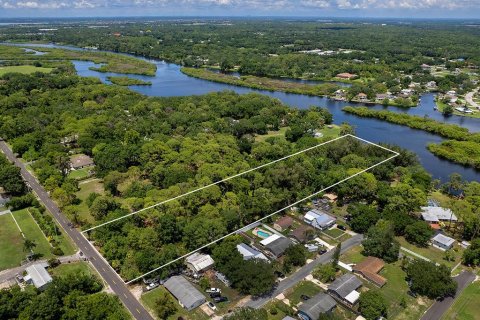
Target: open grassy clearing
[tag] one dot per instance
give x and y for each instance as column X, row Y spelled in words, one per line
column 85, row 189
column 33, row 232
column 23, row 69
column 80, row 173
column 353, row 255
column 334, row 233
column 80, row 267
column 149, row 299
column 11, row 243
column 328, row 132
column 307, row 288
column 467, row 305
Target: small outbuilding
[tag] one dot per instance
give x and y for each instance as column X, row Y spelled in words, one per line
column 187, row 295
column 319, row 304
column 442, row 242
column 38, row 275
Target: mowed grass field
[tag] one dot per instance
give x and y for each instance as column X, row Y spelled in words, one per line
column 94, row 185
column 467, row 305
column 11, row 243
column 33, row 232
column 23, row 69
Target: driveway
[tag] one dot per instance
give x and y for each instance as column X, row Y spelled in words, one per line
column 303, row 272
column 469, row 99
column 437, row 310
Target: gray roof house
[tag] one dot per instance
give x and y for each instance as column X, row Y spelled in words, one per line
column 186, row 294
column 344, row 288
column 318, row 219
column 436, row 214
column 38, row 275
column 250, row 253
column 318, row 304
column 278, row 246
column 442, row 242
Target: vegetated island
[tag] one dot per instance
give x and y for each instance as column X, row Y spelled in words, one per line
column 126, row 81
column 463, row 148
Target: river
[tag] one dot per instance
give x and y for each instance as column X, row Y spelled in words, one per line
column 170, row 81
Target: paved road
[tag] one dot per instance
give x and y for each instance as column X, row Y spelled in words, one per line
column 103, row 268
column 469, row 99
column 303, row 272
column 437, row 310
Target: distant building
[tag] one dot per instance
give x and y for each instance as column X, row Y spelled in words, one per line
column 199, row 262
column 80, row 161
column 250, row 253
column 434, row 215
column 318, row 219
column 318, row 304
column 369, row 269
column 345, row 289
column 346, row 75
column 331, row 197
column 283, row 223
column 442, row 242
column 276, row 244
column 425, row 66
column 187, row 295
column 302, row 233
column 362, row 96
column 38, row 275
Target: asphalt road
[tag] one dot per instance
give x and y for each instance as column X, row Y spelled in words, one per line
column 303, row 272
column 437, row 310
column 106, row 272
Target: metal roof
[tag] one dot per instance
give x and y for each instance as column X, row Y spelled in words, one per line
column 249, row 253
column 318, row 304
column 344, row 285
column 440, row 213
column 200, row 261
column 443, row 239
column 188, row 296
column 279, row 246
column 317, row 218
column 39, row 275
column 270, row 239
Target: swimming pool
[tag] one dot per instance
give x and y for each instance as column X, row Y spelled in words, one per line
column 262, row 233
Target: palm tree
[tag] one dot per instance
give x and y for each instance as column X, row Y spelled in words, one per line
column 28, row 245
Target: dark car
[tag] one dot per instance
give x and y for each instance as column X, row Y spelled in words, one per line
column 215, row 294
column 304, row 297
column 220, row 299
column 339, row 226
column 322, row 251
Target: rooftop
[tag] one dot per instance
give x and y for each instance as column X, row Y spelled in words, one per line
column 199, row 261
column 301, row 232
column 279, row 246
column 369, row 268
column 318, row 304
column 38, row 274
column 250, row 253
column 438, row 212
column 317, row 218
column 81, row 160
column 284, row 222
column 344, row 285
column 184, row 291
column 443, row 239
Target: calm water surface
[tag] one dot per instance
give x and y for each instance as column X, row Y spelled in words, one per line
column 169, row 81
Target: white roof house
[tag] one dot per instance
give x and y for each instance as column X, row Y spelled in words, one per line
column 436, row 214
column 250, row 253
column 318, row 219
column 353, row 297
column 38, row 276
column 270, row 239
column 199, row 262
column 443, row 242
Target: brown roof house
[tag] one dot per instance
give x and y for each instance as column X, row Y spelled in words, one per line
column 80, row 161
column 369, row 269
column 362, row 96
column 346, row 75
column 302, row 233
column 283, row 223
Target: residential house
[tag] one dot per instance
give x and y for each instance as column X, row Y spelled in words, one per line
column 302, row 233
column 369, row 269
column 276, row 244
column 345, row 288
column 199, row 262
column 431, row 85
column 442, row 242
column 250, row 253
column 320, row 303
column 340, row 94
column 346, row 75
column 331, row 197
column 38, row 275
column 4, row 198
column 80, row 161
column 434, row 215
column 362, row 96
column 187, row 295
column 318, row 219
column 283, row 223
column 425, row 66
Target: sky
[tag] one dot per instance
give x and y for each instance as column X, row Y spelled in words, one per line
column 307, row 8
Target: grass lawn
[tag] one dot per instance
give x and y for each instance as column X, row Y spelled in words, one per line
column 80, row 173
column 466, row 306
column 395, row 290
column 434, row 254
column 353, row 255
column 11, row 243
column 72, row 268
column 330, row 133
column 149, row 298
column 334, row 233
column 23, row 69
column 279, row 313
column 307, row 288
column 327, row 133
column 82, row 194
column 33, row 232
column 279, row 133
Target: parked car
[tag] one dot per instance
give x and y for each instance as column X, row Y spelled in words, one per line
column 210, row 290
column 215, row 294
column 152, row 286
column 339, row 226
column 220, row 299
column 304, row 297
column 212, row 306
column 322, row 251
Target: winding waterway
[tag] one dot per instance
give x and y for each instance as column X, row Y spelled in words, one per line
column 170, row 81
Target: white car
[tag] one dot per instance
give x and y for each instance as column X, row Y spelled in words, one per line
column 212, row 290
column 152, row 286
column 212, row 306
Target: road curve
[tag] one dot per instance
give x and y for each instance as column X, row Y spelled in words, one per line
column 103, row 268
column 303, row 272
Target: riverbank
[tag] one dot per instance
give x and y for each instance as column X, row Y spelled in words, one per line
column 442, row 105
column 126, row 81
